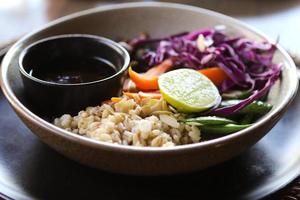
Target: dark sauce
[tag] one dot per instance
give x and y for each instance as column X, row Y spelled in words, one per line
column 71, row 70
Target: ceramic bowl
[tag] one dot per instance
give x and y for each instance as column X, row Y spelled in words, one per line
column 126, row 21
column 63, row 50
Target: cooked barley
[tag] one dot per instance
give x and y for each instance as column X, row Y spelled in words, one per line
column 137, row 122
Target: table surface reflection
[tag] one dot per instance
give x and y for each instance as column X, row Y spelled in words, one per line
column 276, row 18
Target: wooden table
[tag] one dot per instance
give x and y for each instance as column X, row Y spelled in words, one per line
column 276, row 18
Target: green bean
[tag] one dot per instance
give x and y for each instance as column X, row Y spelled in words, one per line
column 256, row 107
column 223, row 129
column 247, row 119
column 194, row 123
column 236, row 94
column 208, row 120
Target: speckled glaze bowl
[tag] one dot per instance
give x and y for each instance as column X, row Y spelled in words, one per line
column 126, row 21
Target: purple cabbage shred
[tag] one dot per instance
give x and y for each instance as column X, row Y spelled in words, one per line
column 247, row 63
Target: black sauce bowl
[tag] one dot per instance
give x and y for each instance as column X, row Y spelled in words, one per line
column 52, row 99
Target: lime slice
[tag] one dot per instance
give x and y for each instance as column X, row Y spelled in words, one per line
column 188, row 90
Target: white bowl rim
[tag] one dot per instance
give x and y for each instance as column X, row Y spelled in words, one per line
column 18, row 106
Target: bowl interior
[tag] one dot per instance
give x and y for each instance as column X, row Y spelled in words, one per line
column 125, row 22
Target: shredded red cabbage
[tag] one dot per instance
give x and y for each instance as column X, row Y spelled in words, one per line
column 247, row 63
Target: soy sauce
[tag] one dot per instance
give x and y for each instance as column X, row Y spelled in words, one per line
column 72, row 70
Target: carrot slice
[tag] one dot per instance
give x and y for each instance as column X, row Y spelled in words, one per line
column 116, row 99
column 152, row 95
column 142, row 81
column 149, row 80
column 215, row 74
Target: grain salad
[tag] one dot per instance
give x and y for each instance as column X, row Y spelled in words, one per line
column 179, row 86
column 136, row 122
